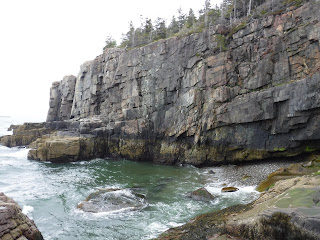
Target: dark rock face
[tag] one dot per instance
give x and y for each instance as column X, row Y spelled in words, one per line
column 14, row 224
column 186, row 100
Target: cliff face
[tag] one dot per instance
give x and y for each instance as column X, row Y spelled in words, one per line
column 61, row 99
column 205, row 98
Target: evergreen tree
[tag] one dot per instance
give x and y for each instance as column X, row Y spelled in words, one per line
column 173, row 26
column 160, row 29
column 148, row 30
column 207, row 6
column 110, row 42
column 191, row 19
column 181, row 18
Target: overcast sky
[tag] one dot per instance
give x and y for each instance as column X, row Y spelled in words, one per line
column 43, row 40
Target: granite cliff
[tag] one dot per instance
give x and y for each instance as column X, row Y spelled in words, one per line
column 223, row 95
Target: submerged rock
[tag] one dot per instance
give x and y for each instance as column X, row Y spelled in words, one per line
column 111, row 200
column 14, row 224
column 201, row 194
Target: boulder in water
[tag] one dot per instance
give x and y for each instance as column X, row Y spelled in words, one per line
column 111, row 200
column 201, row 194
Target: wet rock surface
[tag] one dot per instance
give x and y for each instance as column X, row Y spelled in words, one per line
column 310, row 166
column 250, row 174
column 201, row 194
column 14, row 224
column 229, row 189
column 286, row 211
column 113, row 200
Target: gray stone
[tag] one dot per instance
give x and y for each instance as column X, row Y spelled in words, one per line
column 201, row 194
column 261, row 94
column 113, row 200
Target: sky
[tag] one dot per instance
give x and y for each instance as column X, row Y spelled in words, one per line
column 43, row 40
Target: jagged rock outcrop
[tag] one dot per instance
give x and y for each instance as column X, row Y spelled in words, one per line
column 14, row 224
column 24, row 134
column 251, row 92
column 61, row 99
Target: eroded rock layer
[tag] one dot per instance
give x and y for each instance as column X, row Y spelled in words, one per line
column 251, row 92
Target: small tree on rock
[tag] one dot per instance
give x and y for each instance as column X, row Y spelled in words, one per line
column 110, row 42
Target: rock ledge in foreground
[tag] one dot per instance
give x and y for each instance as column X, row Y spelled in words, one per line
column 14, row 224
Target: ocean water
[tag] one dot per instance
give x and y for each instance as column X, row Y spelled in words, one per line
column 49, row 194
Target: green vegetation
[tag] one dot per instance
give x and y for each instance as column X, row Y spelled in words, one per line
column 237, row 28
column 317, row 173
column 295, row 3
column 279, row 149
column 179, row 26
column 221, row 42
column 309, row 149
column 229, row 13
column 110, row 42
column 263, row 12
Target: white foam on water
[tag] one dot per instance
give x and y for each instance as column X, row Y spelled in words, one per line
column 93, row 216
column 157, row 227
column 27, row 210
column 17, row 153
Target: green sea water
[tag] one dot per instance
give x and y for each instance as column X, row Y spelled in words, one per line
column 49, row 194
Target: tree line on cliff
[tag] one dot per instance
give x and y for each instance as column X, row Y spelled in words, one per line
column 229, row 13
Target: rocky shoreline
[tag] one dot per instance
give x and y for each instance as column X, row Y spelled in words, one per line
column 190, row 101
column 288, row 209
